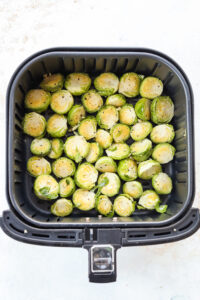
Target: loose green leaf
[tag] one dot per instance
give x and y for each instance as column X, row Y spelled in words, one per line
column 140, row 207
column 161, row 209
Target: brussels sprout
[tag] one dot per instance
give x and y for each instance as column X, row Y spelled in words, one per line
column 106, row 84
column 163, row 153
column 141, row 150
column 40, row 147
column 94, row 153
column 127, row 169
column 149, row 200
column 76, row 148
column 118, row 151
column 83, row 199
column 162, row 110
column 143, row 109
column 141, row 130
column 103, row 138
column 147, row 169
column 62, row 207
column 163, row 133
column 63, row 167
column 127, row 115
column 129, row 84
column 120, row 133
column 133, row 189
column 61, row 101
column 75, row 115
column 66, row 187
column 56, row 148
column 116, row 100
column 52, row 83
column 46, row 187
column 38, row 166
column 88, row 128
column 106, row 164
column 57, row 125
column 113, row 185
column 77, row 83
column 104, row 206
column 34, row 124
column 92, row 101
column 162, row 183
column 86, row 176
column 37, row 100
column 107, row 117
column 151, row 87
column 124, row 205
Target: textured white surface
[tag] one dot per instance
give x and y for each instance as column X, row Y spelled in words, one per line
column 163, row 272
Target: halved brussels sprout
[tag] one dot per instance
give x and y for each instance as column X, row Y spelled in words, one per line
column 120, row 133
column 107, row 117
column 46, row 187
column 149, row 200
column 94, row 153
column 34, row 124
column 141, row 150
column 143, row 109
column 147, row 169
column 104, row 206
column 116, row 100
column 118, row 151
column 52, row 83
column 163, row 133
column 133, row 189
column 124, row 205
column 77, row 83
column 141, row 130
column 106, row 84
column 127, row 169
column 163, row 153
column 103, row 138
column 86, row 176
column 83, row 199
column 56, row 148
column 106, row 164
column 40, row 147
column 75, row 115
column 92, row 101
column 151, row 87
column 66, row 187
column 38, row 166
column 162, row 183
column 129, row 84
column 61, row 102
column 127, row 115
column 57, row 125
column 88, row 128
column 76, row 148
column 37, row 100
column 113, row 185
column 162, row 110
column 63, row 167
column 62, row 207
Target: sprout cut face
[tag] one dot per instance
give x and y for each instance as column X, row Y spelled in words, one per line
column 63, row 167
column 38, row 166
column 127, row 169
column 77, row 83
column 163, row 153
column 118, row 151
column 62, row 207
column 151, row 87
column 116, row 100
column 106, row 164
column 66, row 187
column 163, row 133
column 149, row 200
column 141, row 130
column 86, row 176
column 37, row 100
column 40, row 147
column 141, row 150
column 92, row 101
column 129, row 84
column 124, row 205
column 75, row 115
column 34, row 124
column 57, row 125
column 52, row 83
column 143, row 109
column 84, row 200
column 107, row 117
column 120, row 133
column 106, row 84
column 88, row 128
column 162, row 110
column 56, row 148
column 94, row 153
column 113, row 185
column 103, row 138
column 127, row 115
column 76, row 148
column 104, row 205
column 147, row 169
column 133, row 189
column 162, row 183
column 61, row 102
column 46, row 187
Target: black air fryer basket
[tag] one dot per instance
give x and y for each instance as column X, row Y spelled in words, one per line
column 29, row 219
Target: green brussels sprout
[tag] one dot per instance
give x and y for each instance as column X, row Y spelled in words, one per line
column 66, row 187
column 133, row 189
column 86, row 176
column 76, row 148
column 37, row 100
column 57, row 125
column 104, row 206
column 141, row 150
column 62, row 207
column 127, row 169
column 106, row 164
column 77, row 83
column 52, row 83
column 83, row 199
column 113, row 185
column 151, row 87
column 163, row 153
column 124, row 205
column 38, row 166
column 75, row 115
column 162, row 110
column 129, row 84
column 143, row 109
column 88, row 128
column 118, row 151
column 141, row 130
column 40, row 147
column 56, row 148
column 162, row 183
column 163, row 133
column 149, row 199
column 116, row 100
column 147, row 169
column 107, row 117
column 63, row 167
column 34, row 124
column 127, row 115
column 106, row 84
column 46, row 187
column 120, row 133
column 92, row 101
column 103, row 138
column 95, row 152
column 61, row 102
